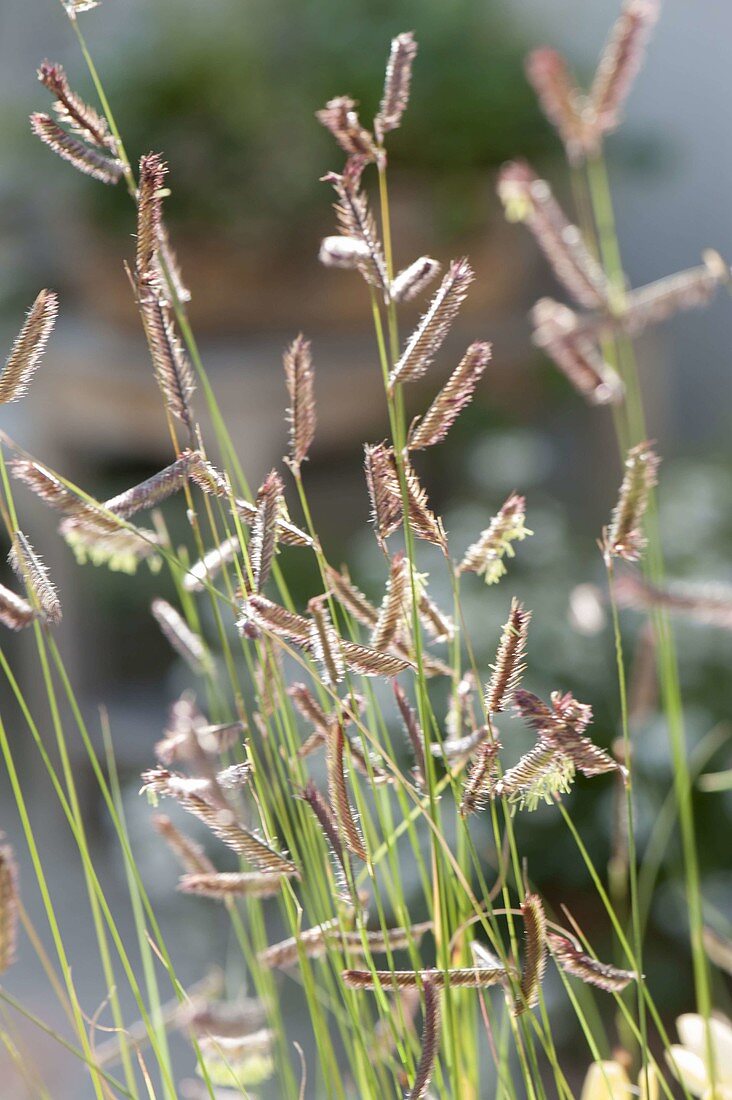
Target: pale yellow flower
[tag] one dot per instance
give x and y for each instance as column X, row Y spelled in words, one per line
column 688, row 1059
column 609, row 1081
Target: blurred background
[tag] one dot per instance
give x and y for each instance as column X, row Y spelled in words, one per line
column 227, row 91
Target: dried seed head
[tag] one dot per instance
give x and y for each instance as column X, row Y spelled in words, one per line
column 428, row 337
column 509, row 666
column 300, row 379
column 481, row 781
column 454, row 396
column 326, row 819
column 189, row 854
column 28, row 349
column 171, row 367
column 572, row 345
column 485, row 557
column 72, row 111
column 410, row 282
column 356, row 222
column 395, row 609
column 464, row 978
column 325, row 643
column 529, row 199
column 396, row 86
column 439, row 625
column 560, row 100
column 154, row 490
column 153, row 171
column 422, row 520
column 345, row 591
column 430, row 1043
column 270, row 505
column 29, row 568
column 576, row 962
column 562, row 726
column 338, row 792
column 541, row 775
column 624, row 538
column 620, row 63
column 265, row 615
column 187, row 644
column 202, row 798
column 223, row 885
column 85, row 158
column 8, row 907
column 341, row 117
column 345, row 252
column 535, row 952
column 367, row 662
column 15, row 612
column 382, row 481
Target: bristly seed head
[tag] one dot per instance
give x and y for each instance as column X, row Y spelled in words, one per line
column 624, row 537
column 29, row 346
column 485, row 557
column 410, row 282
column 341, row 117
column 300, row 378
column 8, row 907
column 396, row 85
column 509, row 666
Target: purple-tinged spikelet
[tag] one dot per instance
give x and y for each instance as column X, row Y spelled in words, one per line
column 27, row 351
column 29, row 568
column 186, row 643
column 624, row 537
column 430, row 1043
column 85, row 158
column 428, row 337
column 338, row 792
column 341, row 117
column 485, row 557
column 610, row 978
column 270, row 504
column 171, row 367
column 529, row 199
column 324, row 642
column 325, row 817
column 72, row 111
column 300, row 379
column 481, row 780
column 410, row 282
column 535, row 952
column 382, row 482
column 560, row 100
column 394, row 614
column 367, row 662
column 8, row 907
column 269, row 616
column 154, row 490
column 454, row 396
column 509, row 666
column 396, row 85
column 422, row 520
column 620, row 63
column 571, row 343
column 153, row 171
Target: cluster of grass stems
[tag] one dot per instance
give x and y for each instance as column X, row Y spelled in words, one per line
column 435, row 994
